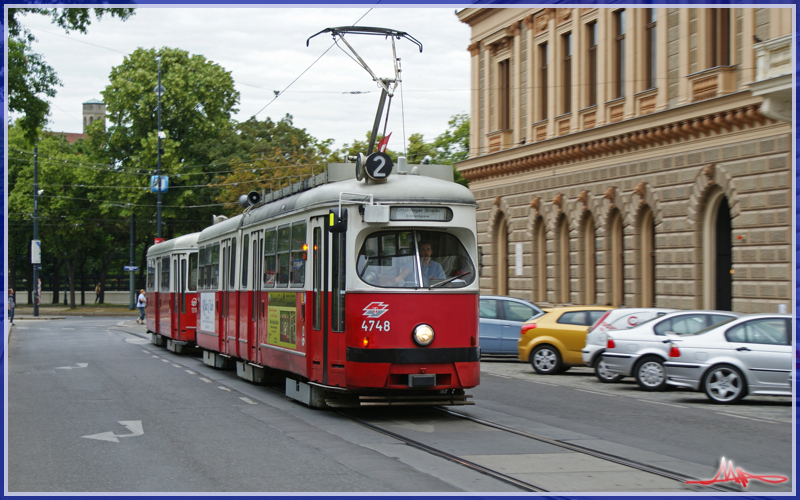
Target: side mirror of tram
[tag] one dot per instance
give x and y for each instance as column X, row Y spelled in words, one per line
column 337, row 222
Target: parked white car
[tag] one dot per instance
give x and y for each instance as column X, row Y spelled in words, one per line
column 750, row 355
column 640, row 352
column 615, row 319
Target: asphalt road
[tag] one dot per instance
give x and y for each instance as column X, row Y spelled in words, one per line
column 92, row 406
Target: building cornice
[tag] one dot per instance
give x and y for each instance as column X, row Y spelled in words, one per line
column 679, row 130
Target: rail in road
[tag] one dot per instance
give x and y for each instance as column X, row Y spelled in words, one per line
column 525, row 485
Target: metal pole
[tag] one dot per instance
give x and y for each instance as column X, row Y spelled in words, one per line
column 133, row 273
column 377, row 123
column 158, row 173
column 35, row 228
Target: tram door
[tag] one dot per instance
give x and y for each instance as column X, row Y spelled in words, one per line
column 228, row 322
column 258, row 302
column 327, row 304
column 175, row 297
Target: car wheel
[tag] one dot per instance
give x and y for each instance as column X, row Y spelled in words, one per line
column 650, row 374
column 724, row 384
column 605, row 375
column 546, row 360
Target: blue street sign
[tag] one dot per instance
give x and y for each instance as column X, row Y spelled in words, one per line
column 130, row 268
column 154, row 185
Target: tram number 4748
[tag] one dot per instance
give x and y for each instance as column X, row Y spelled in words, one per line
column 371, row 324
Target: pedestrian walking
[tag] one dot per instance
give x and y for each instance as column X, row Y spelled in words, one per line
column 97, row 293
column 141, row 303
column 11, row 305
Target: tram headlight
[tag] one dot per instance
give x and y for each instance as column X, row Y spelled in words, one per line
column 423, row 335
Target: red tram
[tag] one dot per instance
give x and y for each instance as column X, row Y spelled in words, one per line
column 358, row 293
column 171, row 292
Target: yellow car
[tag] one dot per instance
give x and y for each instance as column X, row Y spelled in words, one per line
column 553, row 342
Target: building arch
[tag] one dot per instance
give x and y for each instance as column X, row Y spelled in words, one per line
column 615, row 261
column 587, row 270
column 499, row 228
column 561, row 259
column 717, row 251
column 538, row 235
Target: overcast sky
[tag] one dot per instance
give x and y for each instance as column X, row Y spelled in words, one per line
column 265, row 50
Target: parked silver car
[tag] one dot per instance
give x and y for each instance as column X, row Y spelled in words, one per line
column 750, row 355
column 500, row 320
column 615, row 319
column 640, row 352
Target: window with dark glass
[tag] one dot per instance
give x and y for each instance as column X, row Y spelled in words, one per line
column 566, row 42
column 338, row 267
column 414, row 259
column 192, row 285
column 284, row 247
column 245, row 248
column 214, row 271
column 151, row 275
column 183, row 285
column 317, row 263
column 165, row 274
column 543, row 82
column 233, row 264
column 592, row 37
column 298, row 271
column 619, row 53
column 270, row 242
column 504, row 94
column 650, row 54
column 720, row 37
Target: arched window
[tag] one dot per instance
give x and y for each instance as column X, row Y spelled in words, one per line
column 587, row 259
column 647, row 258
column 615, row 258
column 539, row 261
column 500, row 256
column 717, row 253
column 562, row 260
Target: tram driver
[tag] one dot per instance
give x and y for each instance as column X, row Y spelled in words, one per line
column 430, row 268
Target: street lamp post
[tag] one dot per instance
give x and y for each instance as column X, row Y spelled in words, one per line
column 36, row 265
column 159, row 90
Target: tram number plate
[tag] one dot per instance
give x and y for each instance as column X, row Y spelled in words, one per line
column 369, row 325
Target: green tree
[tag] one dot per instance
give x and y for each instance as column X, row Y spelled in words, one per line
column 452, row 146
column 30, row 79
column 196, row 109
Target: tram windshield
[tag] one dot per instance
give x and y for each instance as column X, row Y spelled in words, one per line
column 414, row 259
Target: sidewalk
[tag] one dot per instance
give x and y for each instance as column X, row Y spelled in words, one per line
column 50, row 310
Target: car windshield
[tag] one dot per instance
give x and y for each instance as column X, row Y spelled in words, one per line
column 414, row 259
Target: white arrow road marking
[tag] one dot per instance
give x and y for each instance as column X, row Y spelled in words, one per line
column 80, row 365
column 135, row 426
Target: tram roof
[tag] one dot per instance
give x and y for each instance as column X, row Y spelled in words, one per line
column 407, row 189
column 219, row 228
column 185, row 242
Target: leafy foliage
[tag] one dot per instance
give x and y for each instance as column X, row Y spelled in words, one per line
column 30, row 79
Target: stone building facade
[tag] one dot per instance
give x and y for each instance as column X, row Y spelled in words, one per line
column 636, row 157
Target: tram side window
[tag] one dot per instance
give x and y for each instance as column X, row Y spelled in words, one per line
column 338, row 282
column 284, row 245
column 298, row 254
column 270, row 240
column 214, row 270
column 165, row 274
column 245, row 244
column 233, row 263
column 192, row 285
column 201, row 263
column 151, row 275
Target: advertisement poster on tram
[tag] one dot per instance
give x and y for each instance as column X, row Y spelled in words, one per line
column 282, row 320
column 207, row 312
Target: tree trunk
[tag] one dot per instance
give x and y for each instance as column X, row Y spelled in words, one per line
column 71, row 280
column 12, row 275
column 83, row 278
column 105, row 260
column 56, row 279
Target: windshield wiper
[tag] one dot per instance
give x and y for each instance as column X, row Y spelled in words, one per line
column 459, row 274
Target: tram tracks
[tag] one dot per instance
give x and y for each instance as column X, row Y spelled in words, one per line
column 524, row 485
